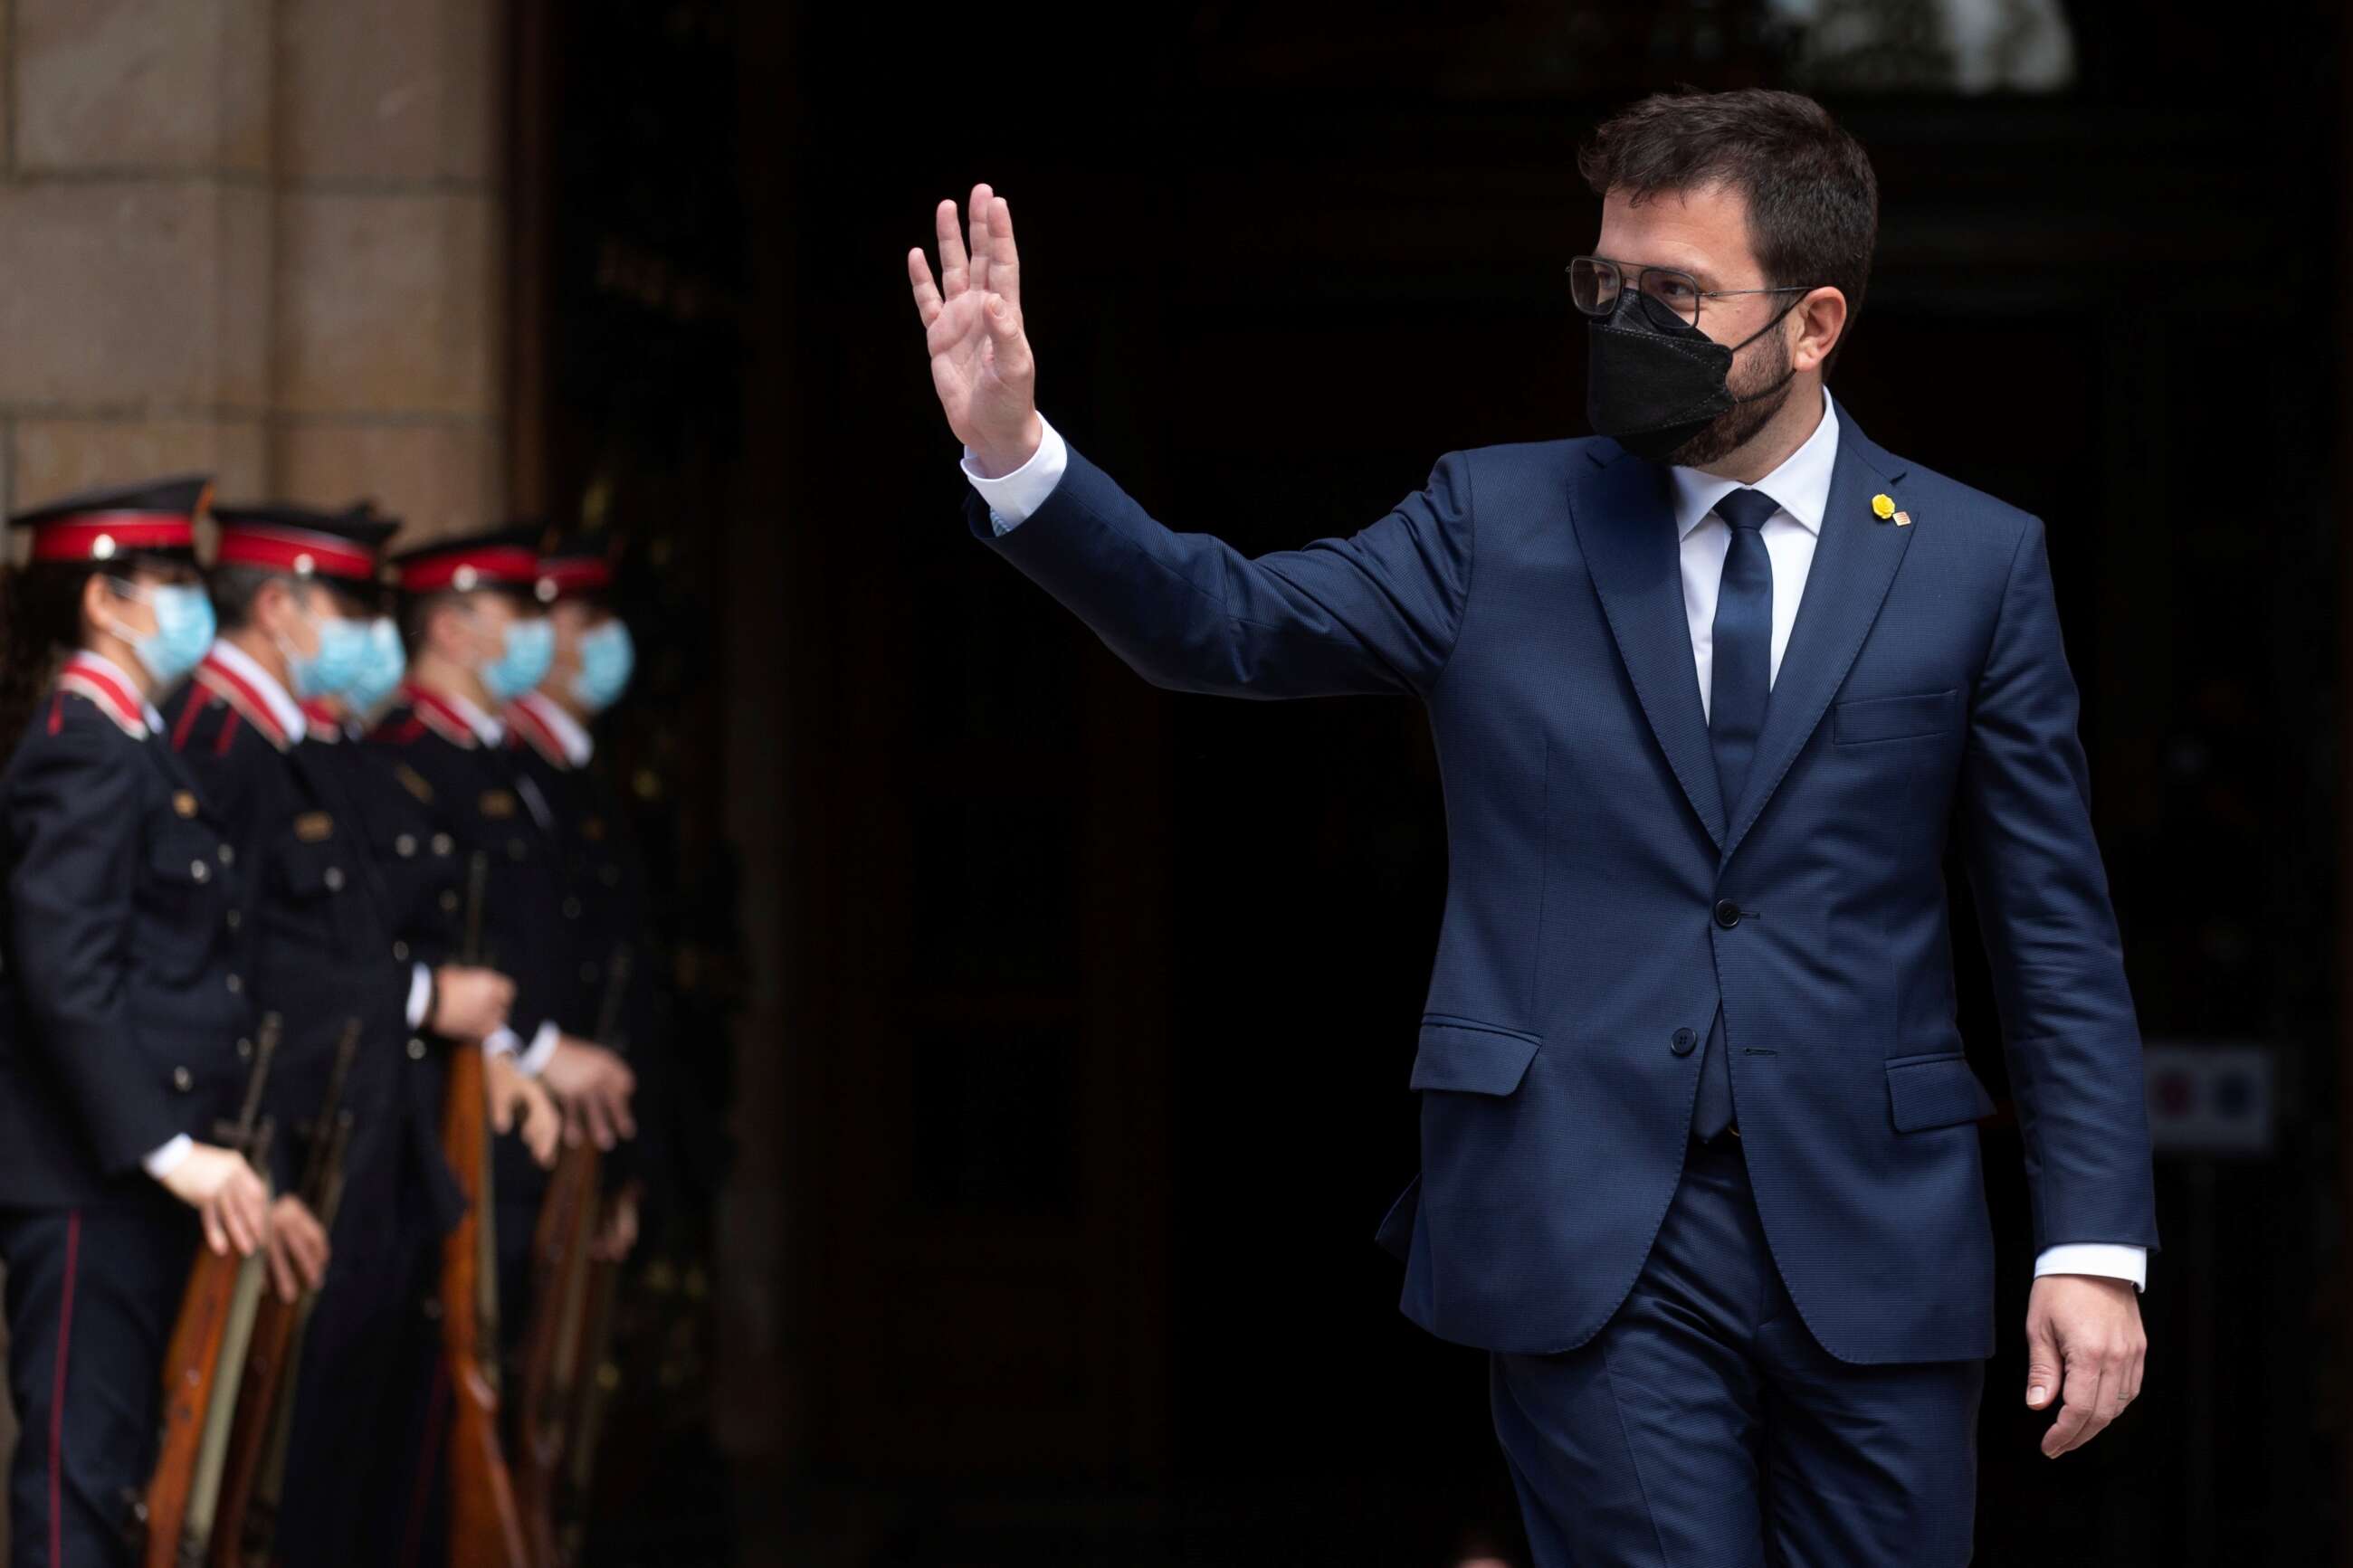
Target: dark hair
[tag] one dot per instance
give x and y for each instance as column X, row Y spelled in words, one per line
column 41, row 607
column 1813, row 202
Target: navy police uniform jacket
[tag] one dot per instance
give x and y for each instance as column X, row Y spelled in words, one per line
column 1602, row 900
column 317, row 916
column 124, row 1020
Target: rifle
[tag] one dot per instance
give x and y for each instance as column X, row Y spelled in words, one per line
column 484, row 1530
column 566, row 1275
column 245, row 1522
column 204, row 1362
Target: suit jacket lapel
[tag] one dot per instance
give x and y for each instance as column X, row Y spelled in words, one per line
column 1626, row 527
column 1854, row 561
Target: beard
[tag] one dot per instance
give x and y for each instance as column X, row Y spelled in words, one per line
column 1760, row 396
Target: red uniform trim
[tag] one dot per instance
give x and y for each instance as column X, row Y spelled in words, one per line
column 77, row 538
column 438, row 714
column 524, row 719
column 94, row 681
column 321, row 720
column 56, row 713
column 295, row 550
column 234, row 689
column 58, row 1396
column 492, row 566
column 187, row 722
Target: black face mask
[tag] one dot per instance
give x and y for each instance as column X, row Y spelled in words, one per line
column 1654, row 381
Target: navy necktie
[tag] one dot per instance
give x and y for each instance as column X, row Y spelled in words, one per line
column 1740, row 680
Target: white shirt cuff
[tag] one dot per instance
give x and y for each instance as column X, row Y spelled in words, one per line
column 502, row 1042
column 542, row 1046
column 2114, row 1259
column 1012, row 498
column 420, row 996
column 162, row 1162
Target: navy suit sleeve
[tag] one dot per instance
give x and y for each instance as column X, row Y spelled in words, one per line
column 75, row 811
column 1374, row 612
column 2070, row 1033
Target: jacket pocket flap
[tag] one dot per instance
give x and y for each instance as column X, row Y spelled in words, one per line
column 1894, row 717
column 1935, row 1092
column 1470, row 1059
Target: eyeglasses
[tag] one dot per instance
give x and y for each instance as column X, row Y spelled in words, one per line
column 1594, row 283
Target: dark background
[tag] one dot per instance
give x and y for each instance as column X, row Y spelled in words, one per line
column 1071, row 1019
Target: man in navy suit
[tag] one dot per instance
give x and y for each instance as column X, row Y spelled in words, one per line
column 1711, row 694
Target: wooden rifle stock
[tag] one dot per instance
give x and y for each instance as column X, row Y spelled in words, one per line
column 203, row 1364
column 563, row 1266
column 264, row 1398
column 485, row 1531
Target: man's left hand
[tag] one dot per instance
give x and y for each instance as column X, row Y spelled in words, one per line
column 2085, row 1343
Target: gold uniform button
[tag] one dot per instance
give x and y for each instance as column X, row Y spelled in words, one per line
column 442, row 844
column 182, row 1079
column 228, row 853
column 400, row 951
column 333, row 879
column 416, row 1049
column 448, row 901
column 404, row 845
column 236, row 984
column 200, row 871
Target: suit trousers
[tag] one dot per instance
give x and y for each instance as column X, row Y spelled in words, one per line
column 92, row 1294
column 1704, row 1427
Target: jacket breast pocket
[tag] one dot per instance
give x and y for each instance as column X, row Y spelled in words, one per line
column 1863, row 719
column 1934, row 1091
column 183, row 891
column 1473, row 1058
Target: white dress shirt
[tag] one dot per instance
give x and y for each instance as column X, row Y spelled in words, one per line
column 1801, row 488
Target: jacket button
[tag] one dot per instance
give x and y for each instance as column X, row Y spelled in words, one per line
column 228, row 853
column 200, row 871
column 449, row 900
column 1727, row 913
column 236, row 984
column 333, row 879
column 244, row 1050
column 182, row 1079
column 234, row 917
column 400, row 951
column 416, row 1049
column 405, row 845
column 443, row 844
column 572, row 908
column 1684, row 1042
column 515, row 849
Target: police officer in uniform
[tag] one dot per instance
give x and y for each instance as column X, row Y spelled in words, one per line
column 607, row 935
column 291, row 588
column 477, row 639
column 125, row 1029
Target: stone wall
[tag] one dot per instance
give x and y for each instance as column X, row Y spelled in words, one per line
column 264, row 238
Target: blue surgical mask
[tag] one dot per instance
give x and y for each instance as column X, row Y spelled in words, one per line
column 606, row 657
column 385, row 661
column 183, row 629
column 530, row 646
column 342, row 650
